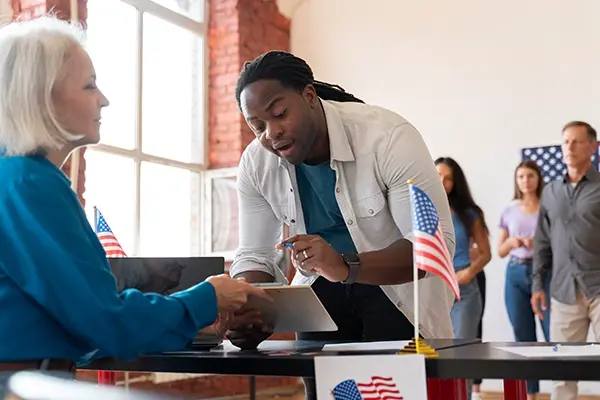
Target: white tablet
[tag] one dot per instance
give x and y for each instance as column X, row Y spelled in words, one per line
column 294, row 309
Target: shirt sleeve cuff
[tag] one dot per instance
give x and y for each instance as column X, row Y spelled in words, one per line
column 200, row 302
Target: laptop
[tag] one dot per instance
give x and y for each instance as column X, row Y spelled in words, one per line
column 166, row 275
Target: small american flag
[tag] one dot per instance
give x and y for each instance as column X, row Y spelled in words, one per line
column 550, row 160
column 379, row 388
column 429, row 249
column 106, row 236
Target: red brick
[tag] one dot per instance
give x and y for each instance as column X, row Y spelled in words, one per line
column 238, row 31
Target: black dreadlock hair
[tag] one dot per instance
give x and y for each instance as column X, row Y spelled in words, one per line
column 292, row 72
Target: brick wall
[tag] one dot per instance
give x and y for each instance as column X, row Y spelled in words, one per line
column 239, row 30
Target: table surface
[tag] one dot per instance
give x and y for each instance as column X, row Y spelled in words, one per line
column 457, row 359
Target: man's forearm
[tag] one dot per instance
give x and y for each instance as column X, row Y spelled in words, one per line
column 389, row 266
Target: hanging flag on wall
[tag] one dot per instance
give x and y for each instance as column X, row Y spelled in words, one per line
column 550, row 160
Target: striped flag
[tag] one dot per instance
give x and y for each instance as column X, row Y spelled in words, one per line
column 379, row 388
column 107, row 237
column 430, row 252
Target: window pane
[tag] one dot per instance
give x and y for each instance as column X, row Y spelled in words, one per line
column 169, row 222
column 190, row 8
column 110, row 186
column 224, row 219
column 111, row 42
column 172, row 93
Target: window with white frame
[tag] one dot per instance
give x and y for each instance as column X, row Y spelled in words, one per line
column 145, row 176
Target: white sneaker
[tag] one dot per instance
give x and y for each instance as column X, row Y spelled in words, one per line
column 476, row 396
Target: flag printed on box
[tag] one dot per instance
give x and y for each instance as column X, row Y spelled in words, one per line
column 550, row 160
column 378, row 388
column 430, row 252
column 106, row 236
column 373, row 377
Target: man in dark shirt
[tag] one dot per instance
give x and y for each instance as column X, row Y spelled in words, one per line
column 567, row 247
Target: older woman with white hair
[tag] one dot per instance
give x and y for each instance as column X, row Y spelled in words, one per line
column 58, row 297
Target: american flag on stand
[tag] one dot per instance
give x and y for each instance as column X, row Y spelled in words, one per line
column 379, row 388
column 550, row 160
column 106, row 236
column 430, row 252
column 113, row 249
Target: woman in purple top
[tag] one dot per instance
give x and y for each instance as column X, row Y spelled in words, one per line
column 517, row 227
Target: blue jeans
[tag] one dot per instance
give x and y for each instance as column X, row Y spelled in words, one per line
column 465, row 313
column 517, row 296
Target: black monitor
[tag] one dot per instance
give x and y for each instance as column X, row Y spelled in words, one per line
column 164, row 275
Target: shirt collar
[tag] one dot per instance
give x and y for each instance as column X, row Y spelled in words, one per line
column 591, row 175
column 339, row 146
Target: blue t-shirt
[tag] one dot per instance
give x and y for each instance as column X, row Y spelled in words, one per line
column 322, row 215
column 57, row 294
column 463, row 242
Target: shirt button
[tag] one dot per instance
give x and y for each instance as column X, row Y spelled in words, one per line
column 371, row 211
column 337, row 189
column 350, row 222
column 285, row 217
column 399, row 304
column 291, row 189
column 293, row 221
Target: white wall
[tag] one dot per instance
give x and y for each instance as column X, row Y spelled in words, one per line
column 6, row 11
column 479, row 79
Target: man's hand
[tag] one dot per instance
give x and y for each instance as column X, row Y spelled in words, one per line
column 232, row 294
column 247, row 329
column 539, row 303
column 312, row 254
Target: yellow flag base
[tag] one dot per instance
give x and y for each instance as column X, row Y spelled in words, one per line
column 419, row 346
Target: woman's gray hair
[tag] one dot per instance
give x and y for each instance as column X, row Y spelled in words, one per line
column 32, row 54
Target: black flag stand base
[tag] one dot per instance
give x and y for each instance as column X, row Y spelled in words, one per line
column 419, row 346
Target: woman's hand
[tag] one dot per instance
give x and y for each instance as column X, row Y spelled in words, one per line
column 515, row 242
column 312, row 254
column 464, row 276
column 232, row 294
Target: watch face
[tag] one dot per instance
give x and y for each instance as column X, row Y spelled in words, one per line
column 351, row 258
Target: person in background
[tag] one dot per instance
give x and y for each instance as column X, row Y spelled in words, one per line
column 567, row 247
column 58, row 298
column 471, row 232
column 517, row 228
column 335, row 171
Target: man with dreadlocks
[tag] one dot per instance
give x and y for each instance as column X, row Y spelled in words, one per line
column 334, row 171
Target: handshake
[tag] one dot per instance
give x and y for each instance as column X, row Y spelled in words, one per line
column 236, row 321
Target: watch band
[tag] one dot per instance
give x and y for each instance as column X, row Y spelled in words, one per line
column 353, row 262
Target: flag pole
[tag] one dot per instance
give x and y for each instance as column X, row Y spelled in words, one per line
column 416, row 300
column 95, row 219
column 415, row 286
